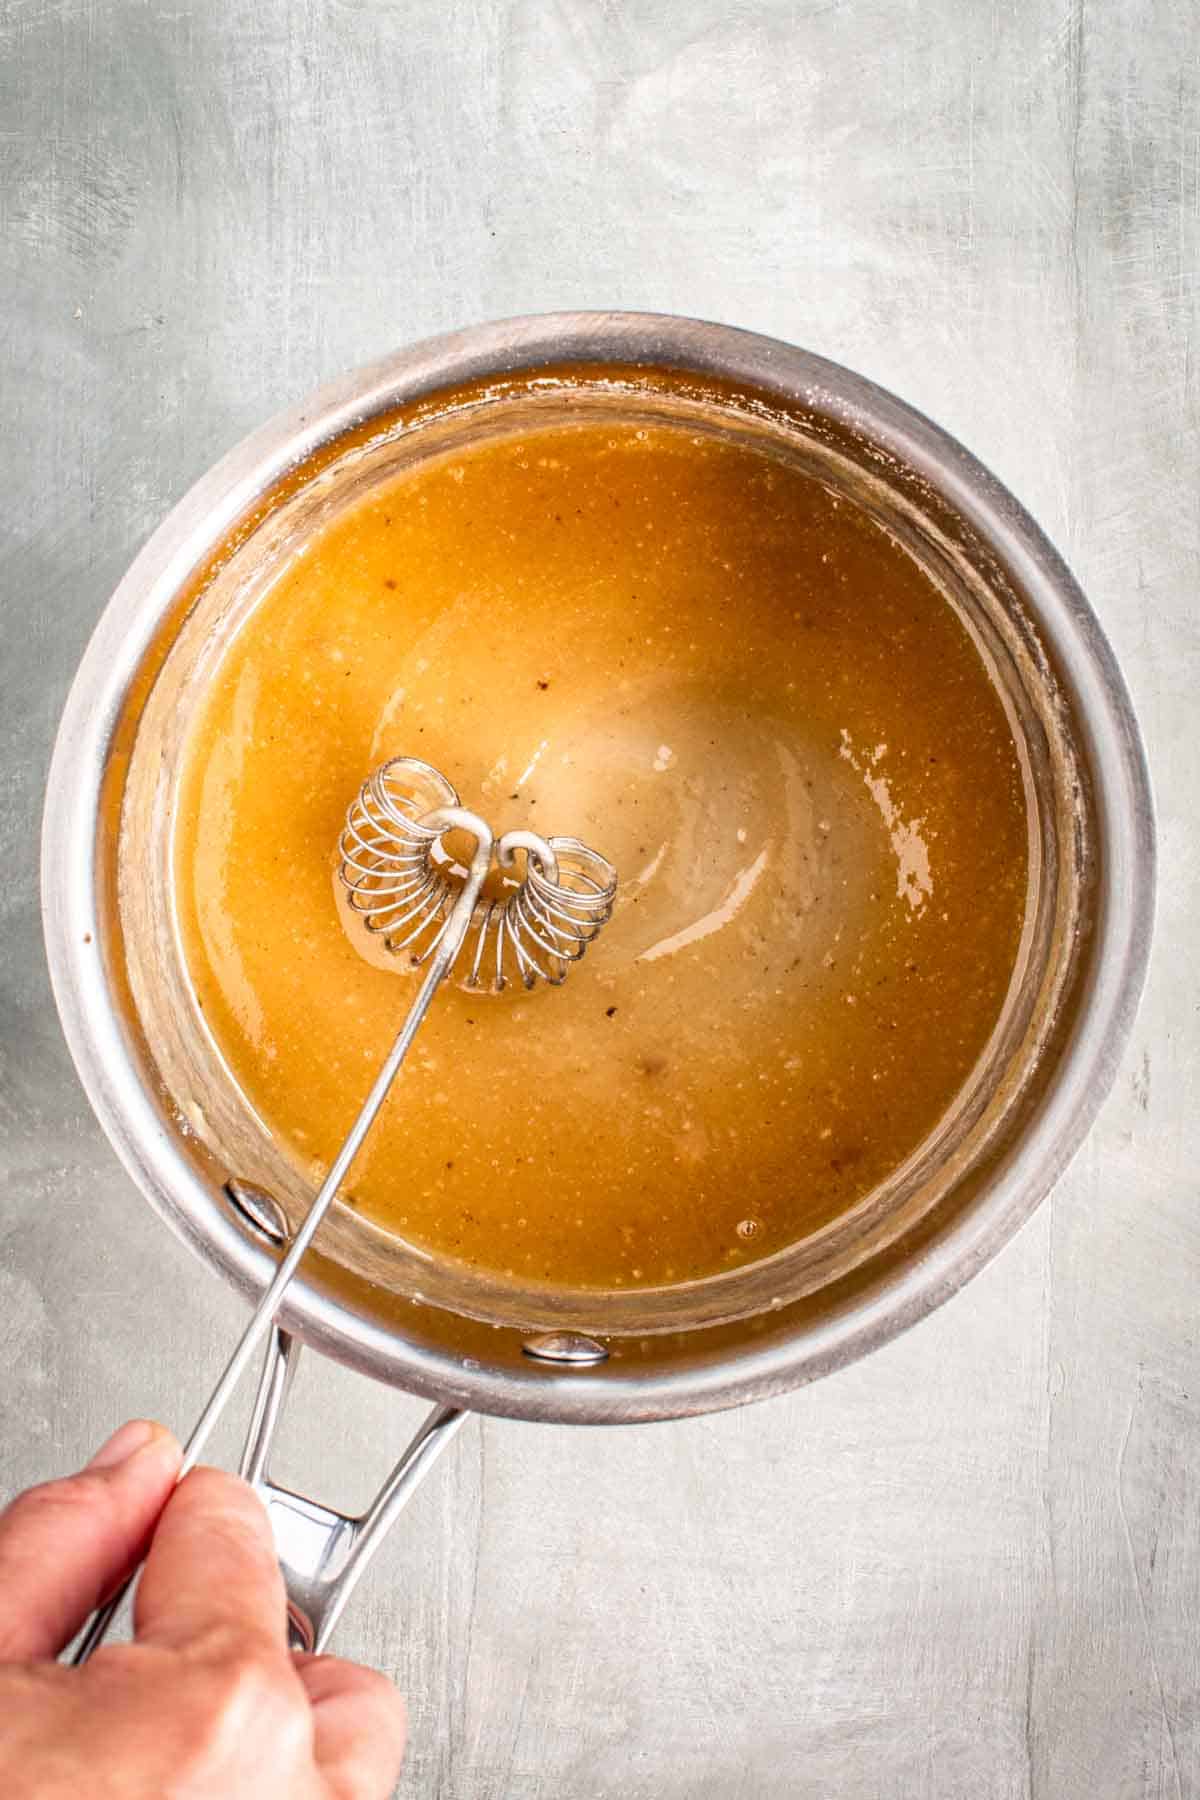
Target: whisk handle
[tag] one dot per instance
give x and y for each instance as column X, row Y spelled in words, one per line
column 445, row 818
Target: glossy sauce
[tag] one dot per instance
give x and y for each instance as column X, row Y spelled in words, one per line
column 744, row 693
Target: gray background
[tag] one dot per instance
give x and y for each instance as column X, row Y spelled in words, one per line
column 971, row 1565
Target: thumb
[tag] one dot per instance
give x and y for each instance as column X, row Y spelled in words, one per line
column 66, row 1544
column 358, row 1726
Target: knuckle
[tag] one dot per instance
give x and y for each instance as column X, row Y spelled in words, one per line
column 238, row 1687
column 379, row 1692
column 246, row 1679
column 379, row 1708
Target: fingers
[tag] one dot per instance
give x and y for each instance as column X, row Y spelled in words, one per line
column 358, row 1726
column 66, row 1545
column 212, row 1570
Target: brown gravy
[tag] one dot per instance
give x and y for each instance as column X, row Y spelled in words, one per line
column 750, row 698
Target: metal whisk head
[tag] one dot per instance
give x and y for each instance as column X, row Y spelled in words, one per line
column 402, row 882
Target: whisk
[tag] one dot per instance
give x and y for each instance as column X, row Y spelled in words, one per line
column 405, row 885
column 400, row 889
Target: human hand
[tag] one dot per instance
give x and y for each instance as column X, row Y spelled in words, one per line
column 207, row 1703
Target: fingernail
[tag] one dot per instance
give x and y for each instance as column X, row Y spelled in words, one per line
column 124, row 1443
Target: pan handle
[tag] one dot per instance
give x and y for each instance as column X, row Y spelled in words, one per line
column 324, row 1553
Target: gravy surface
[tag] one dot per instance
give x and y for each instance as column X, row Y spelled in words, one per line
column 743, row 692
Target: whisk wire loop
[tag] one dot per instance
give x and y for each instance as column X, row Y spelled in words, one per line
column 402, row 883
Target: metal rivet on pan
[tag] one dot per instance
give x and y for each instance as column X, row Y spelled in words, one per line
column 259, row 1209
column 565, row 1347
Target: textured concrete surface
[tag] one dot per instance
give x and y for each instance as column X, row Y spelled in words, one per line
column 971, row 1565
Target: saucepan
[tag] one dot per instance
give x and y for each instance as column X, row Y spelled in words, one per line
column 466, row 1340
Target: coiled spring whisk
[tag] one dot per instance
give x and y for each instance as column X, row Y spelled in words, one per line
column 403, row 884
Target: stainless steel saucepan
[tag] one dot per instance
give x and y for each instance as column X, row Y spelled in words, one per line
column 473, row 1341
